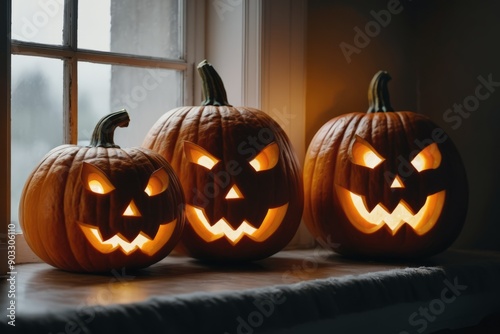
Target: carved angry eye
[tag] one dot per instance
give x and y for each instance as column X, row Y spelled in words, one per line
column 95, row 180
column 198, row 155
column 363, row 154
column 158, row 183
column 428, row 158
column 266, row 159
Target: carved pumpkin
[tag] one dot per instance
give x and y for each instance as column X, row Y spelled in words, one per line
column 98, row 208
column 240, row 174
column 386, row 183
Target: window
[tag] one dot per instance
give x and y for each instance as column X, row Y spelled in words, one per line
column 75, row 61
column 252, row 43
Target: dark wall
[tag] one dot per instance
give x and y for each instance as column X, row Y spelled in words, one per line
column 458, row 43
column 435, row 51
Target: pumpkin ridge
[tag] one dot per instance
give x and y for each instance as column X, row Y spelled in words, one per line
column 160, row 144
column 317, row 165
column 62, row 191
column 354, row 121
column 78, row 157
column 30, row 179
column 158, row 127
column 181, row 114
column 40, row 246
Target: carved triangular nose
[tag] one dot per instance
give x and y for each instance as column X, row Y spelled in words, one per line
column 397, row 183
column 132, row 210
column 234, row 193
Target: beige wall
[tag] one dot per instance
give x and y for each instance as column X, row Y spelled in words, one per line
column 434, row 51
column 335, row 86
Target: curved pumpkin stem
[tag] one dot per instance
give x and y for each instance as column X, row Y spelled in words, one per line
column 378, row 93
column 214, row 93
column 105, row 129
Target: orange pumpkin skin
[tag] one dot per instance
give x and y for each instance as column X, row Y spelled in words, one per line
column 398, row 137
column 233, row 136
column 56, row 203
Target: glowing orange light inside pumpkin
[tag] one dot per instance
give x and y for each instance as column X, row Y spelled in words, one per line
column 397, row 183
column 158, row 183
column 428, row 158
column 234, row 193
column 142, row 242
column 196, row 154
column 96, row 186
column 209, row 233
column 266, row 159
column 371, row 221
column 96, row 182
column 364, row 154
column 132, row 210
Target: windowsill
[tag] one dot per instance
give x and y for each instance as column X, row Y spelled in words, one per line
column 43, row 291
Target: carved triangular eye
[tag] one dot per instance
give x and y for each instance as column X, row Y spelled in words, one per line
column 198, row 155
column 428, row 158
column 363, row 154
column 95, row 180
column 158, row 182
column 266, row 159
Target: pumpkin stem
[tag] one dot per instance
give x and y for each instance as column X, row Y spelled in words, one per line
column 378, row 93
column 214, row 93
column 105, row 129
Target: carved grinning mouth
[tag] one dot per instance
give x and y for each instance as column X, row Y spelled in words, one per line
column 366, row 221
column 221, row 228
column 142, row 242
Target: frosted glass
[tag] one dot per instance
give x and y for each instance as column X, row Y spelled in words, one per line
column 146, row 93
column 138, row 27
column 39, row 21
column 37, row 117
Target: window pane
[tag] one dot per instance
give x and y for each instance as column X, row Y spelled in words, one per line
column 140, row 27
column 144, row 92
column 38, row 21
column 37, row 121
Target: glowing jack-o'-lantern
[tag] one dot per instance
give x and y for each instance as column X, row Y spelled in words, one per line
column 384, row 183
column 240, row 175
column 265, row 160
column 101, row 207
